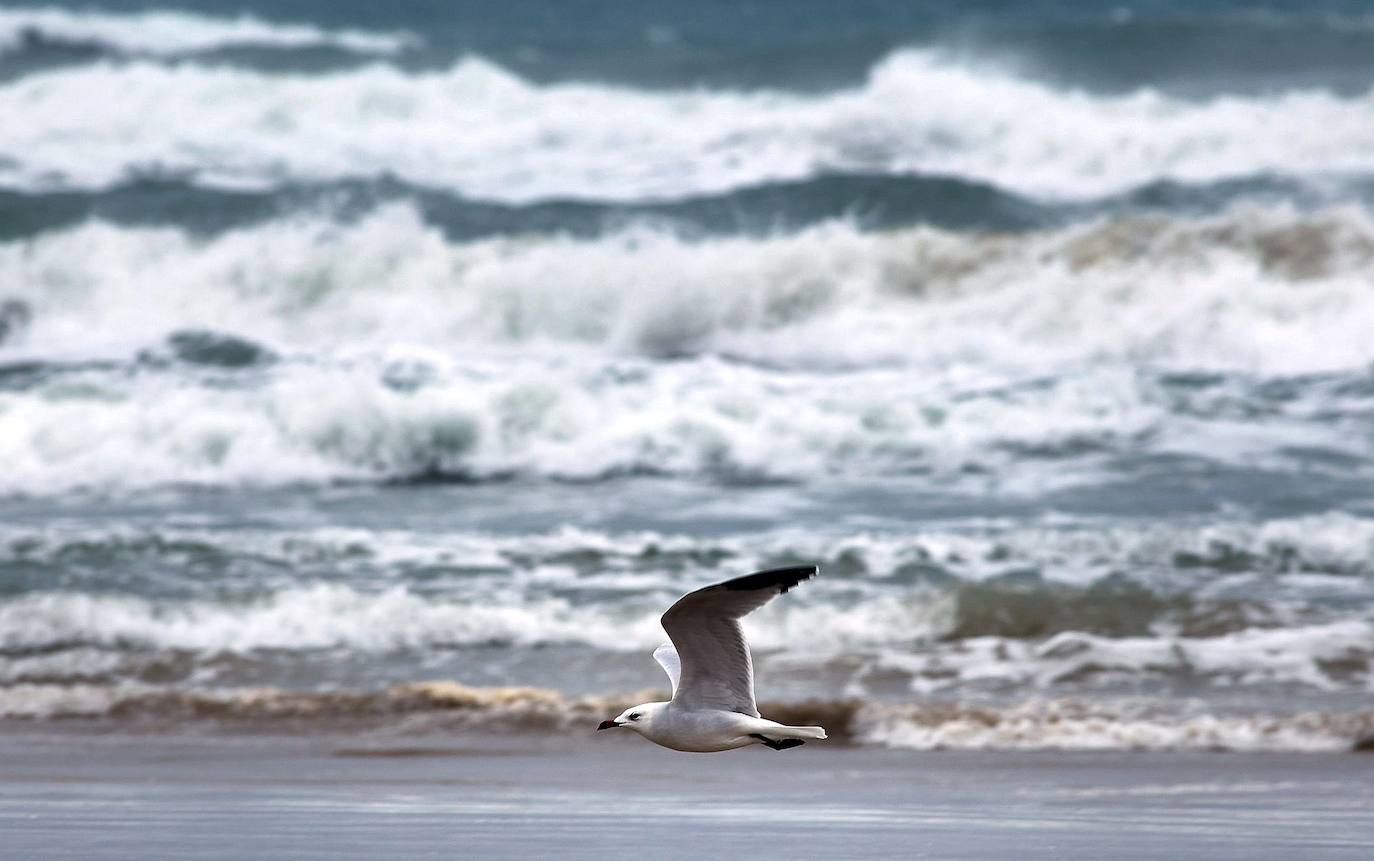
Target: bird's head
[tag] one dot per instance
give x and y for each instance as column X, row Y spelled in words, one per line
column 638, row 718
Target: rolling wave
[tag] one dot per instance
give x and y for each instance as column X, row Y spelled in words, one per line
column 407, row 421
column 1308, row 560
column 1277, row 291
column 1225, row 606
column 871, row 201
column 480, row 131
column 880, row 639
column 289, row 630
column 1040, row 358
column 1191, row 51
column 430, row 707
column 170, row 33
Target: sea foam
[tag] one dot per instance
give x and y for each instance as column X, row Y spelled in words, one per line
column 828, row 351
column 483, row 132
column 1260, row 291
column 448, row 707
column 172, row 33
column 879, row 639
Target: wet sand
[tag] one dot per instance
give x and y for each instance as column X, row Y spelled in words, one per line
column 77, row 794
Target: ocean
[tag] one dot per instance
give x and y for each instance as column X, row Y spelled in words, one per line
column 393, row 366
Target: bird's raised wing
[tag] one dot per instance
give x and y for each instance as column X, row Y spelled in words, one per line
column 716, row 671
column 667, row 658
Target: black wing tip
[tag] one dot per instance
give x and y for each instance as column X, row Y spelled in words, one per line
column 774, row 578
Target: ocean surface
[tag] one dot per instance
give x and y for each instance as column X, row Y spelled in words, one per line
column 396, row 364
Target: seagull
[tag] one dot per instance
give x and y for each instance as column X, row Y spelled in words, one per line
column 712, row 673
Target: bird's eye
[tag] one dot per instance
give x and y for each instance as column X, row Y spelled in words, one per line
column 634, row 716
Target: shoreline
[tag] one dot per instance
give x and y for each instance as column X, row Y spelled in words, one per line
column 443, row 707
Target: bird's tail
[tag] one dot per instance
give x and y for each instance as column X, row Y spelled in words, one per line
column 806, row 732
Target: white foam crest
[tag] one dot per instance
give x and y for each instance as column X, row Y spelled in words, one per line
column 1316, row 550
column 526, row 355
column 311, row 425
column 1049, row 724
column 393, row 280
column 1328, row 656
column 890, row 635
column 1335, row 544
column 322, row 616
column 39, row 701
column 325, row 616
column 1080, row 725
column 1269, row 292
column 479, row 130
column 67, row 665
column 169, row 33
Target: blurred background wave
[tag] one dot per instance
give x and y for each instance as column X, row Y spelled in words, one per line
column 345, row 346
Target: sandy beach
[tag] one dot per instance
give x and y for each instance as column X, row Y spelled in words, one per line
column 83, row 795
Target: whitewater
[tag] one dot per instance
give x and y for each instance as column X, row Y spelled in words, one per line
column 367, row 370
column 480, row 131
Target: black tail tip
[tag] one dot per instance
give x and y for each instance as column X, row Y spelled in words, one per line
column 780, row 743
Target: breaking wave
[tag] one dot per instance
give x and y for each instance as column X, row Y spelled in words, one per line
column 883, row 637
column 1266, row 291
column 217, row 360
column 168, row 33
column 1275, row 292
column 1076, row 725
column 79, row 432
column 480, row 130
column 427, row 707
column 1226, row 606
column 1015, row 581
column 1036, row 629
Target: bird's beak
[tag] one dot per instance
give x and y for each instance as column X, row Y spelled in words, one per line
column 607, row 724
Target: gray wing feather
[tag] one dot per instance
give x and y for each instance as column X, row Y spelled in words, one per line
column 716, row 670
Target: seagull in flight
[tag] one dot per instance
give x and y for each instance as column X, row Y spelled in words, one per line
column 712, row 673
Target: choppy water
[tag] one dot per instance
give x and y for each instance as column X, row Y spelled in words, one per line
column 344, row 348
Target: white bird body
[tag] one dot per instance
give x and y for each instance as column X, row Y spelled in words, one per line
column 709, row 730
column 712, row 673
